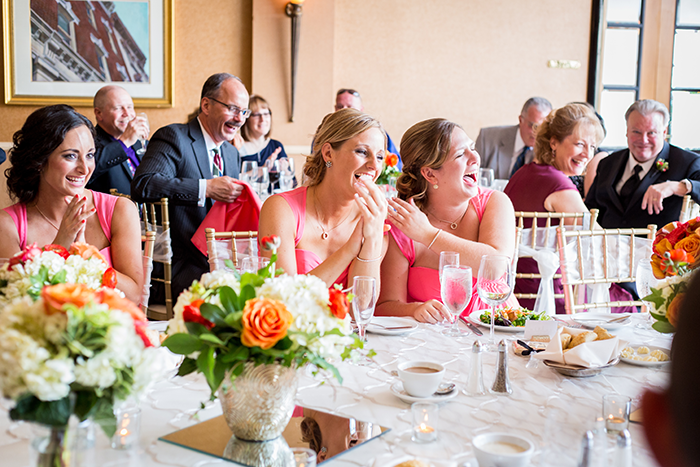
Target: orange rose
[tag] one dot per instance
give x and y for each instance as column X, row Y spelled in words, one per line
column 690, row 244
column 112, row 299
column 55, row 296
column 265, row 322
column 674, row 308
column 338, row 303
column 86, row 251
column 391, row 159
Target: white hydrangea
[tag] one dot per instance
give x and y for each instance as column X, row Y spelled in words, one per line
column 666, row 291
column 96, row 371
column 220, row 278
column 51, row 380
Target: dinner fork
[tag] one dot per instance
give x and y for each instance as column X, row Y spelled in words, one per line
column 570, row 324
column 390, row 328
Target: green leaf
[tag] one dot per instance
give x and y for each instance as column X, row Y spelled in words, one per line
column 284, row 344
column 196, row 329
column 205, row 363
column 234, row 320
column 84, row 403
column 187, row 366
column 213, row 313
column 103, row 414
column 228, row 298
column 664, row 327
column 240, row 353
column 53, row 413
column 59, row 278
column 655, row 297
column 182, row 344
column 208, row 337
column 229, row 264
column 371, row 353
column 247, row 293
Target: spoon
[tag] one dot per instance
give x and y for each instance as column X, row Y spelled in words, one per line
column 444, row 389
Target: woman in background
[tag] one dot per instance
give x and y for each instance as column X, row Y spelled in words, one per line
column 52, row 160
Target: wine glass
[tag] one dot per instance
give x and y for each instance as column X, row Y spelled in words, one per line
column 143, row 138
column 285, row 168
column 494, row 286
column 645, row 281
column 253, row 264
column 261, row 181
column 447, row 258
column 248, row 170
column 455, row 291
column 485, row 177
column 364, row 289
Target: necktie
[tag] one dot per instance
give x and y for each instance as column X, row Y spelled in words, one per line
column 520, row 160
column 630, row 185
column 217, row 169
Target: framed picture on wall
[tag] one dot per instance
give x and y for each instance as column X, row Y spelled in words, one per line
column 63, row 51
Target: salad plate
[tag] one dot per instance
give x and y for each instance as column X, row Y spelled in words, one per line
column 389, row 326
column 475, row 318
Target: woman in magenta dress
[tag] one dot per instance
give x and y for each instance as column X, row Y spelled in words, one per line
column 440, row 208
column 333, row 226
column 52, row 161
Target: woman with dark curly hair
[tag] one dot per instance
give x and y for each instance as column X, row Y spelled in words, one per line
column 333, row 227
column 52, row 161
column 440, row 208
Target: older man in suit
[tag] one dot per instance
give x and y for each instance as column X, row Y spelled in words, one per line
column 117, row 135
column 194, row 165
column 507, row 148
column 645, row 183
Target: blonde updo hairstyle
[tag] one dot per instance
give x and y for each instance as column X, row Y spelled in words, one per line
column 335, row 129
column 425, row 144
column 561, row 123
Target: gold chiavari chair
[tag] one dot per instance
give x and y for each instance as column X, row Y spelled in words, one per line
column 689, row 210
column 149, row 241
column 155, row 218
column 213, row 246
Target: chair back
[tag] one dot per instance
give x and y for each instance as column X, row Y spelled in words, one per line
column 222, row 246
column 689, row 210
column 155, row 218
column 149, row 241
column 599, row 258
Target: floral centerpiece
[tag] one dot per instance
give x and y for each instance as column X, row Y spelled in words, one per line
column 390, row 171
column 232, row 328
column 76, row 351
column 674, row 251
column 33, row 268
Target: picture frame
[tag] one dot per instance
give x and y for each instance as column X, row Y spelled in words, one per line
column 64, row 52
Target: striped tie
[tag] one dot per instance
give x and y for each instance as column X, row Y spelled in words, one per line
column 217, row 169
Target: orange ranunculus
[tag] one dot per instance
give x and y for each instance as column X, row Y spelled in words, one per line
column 391, row 159
column 86, row 251
column 265, row 322
column 111, row 298
column 55, row 296
column 674, row 308
column 690, row 244
column 338, row 303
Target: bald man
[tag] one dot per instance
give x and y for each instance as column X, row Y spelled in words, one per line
column 117, row 143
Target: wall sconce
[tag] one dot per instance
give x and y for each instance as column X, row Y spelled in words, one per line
column 293, row 10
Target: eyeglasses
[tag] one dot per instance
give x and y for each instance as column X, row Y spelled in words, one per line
column 349, row 91
column 234, row 109
column 260, row 114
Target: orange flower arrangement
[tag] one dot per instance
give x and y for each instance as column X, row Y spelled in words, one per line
column 675, row 248
column 391, row 159
column 338, row 303
column 115, row 300
column 86, row 251
column 58, row 295
column 265, row 322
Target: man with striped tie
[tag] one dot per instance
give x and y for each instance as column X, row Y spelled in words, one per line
column 193, row 165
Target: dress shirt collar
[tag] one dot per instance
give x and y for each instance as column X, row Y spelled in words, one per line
column 519, row 144
column 211, row 145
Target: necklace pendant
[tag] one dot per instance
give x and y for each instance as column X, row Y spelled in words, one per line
column 453, row 226
column 324, row 235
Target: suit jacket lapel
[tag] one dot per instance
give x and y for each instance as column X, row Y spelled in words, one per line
column 230, row 162
column 649, row 179
column 612, row 193
column 200, row 149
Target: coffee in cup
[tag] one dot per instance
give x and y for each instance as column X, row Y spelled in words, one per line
column 420, row 378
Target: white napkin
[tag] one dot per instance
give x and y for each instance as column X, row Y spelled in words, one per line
column 589, row 355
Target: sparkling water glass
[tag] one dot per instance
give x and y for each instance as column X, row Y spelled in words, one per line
column 364, row 289
column 494, row 285
column 456, row 292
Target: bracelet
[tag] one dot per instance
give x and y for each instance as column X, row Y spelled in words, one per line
column 435, row 238
column 367, row 260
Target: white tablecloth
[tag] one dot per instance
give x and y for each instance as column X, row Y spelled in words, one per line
column 365, row 395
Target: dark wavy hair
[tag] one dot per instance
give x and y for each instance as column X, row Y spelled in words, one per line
column 42, row 132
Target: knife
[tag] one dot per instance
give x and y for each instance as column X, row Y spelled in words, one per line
column 471, row 327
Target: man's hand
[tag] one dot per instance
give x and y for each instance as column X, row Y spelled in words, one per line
column 137, row 128
column 223, row 189
column 655, row 195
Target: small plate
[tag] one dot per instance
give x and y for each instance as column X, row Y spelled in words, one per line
column 397, row 389
column 389, row 322
column 474, row 318
column 651, row 349
column 159, row 326
column 576, row 371
column 591, row 320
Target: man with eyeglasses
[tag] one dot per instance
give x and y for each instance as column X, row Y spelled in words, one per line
column 345, row 98
column 507, row 148
column 645, row 183
column 194, row 165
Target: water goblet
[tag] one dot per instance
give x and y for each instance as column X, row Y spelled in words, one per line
column 486, row 177
column 456, row 292
column 364, row 289
column 248, row 169
column 144, row 137
column 261, row 182
column 494, row 285
column 285, row 168
column 447, row 258
column 645, row 281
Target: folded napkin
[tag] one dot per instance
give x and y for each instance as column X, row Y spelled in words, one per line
column 241, row 215
column 589, row 355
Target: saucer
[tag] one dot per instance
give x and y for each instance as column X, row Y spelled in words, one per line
column 398, row 391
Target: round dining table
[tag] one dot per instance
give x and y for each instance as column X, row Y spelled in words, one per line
column 551, row 410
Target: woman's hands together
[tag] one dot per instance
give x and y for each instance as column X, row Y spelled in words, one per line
column 72, row 228
column 411, row 220
column 373, row 208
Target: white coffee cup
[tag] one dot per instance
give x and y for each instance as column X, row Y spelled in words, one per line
column 502, row 450
column 420, row 378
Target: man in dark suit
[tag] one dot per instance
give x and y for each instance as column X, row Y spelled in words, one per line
column 193, row 165
column 117, row 144
column 507, row 148
column 645, row 183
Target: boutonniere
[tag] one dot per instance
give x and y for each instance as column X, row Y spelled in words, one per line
column 662, row 165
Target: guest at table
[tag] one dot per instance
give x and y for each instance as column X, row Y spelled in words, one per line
column 671, row 415
column 565, row 143
column 440, row 208
column 52, row 158
column 328, row 435
column 333, row 226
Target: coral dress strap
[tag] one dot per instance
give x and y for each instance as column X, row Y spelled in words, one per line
column 18, row 213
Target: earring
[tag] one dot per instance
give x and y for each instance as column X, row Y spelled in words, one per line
column 329, row 164
column 323, row 449
column 435, row 186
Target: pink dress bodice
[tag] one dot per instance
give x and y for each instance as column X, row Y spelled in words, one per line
column 105, row 209
column 306, row 260
column 424, row 283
